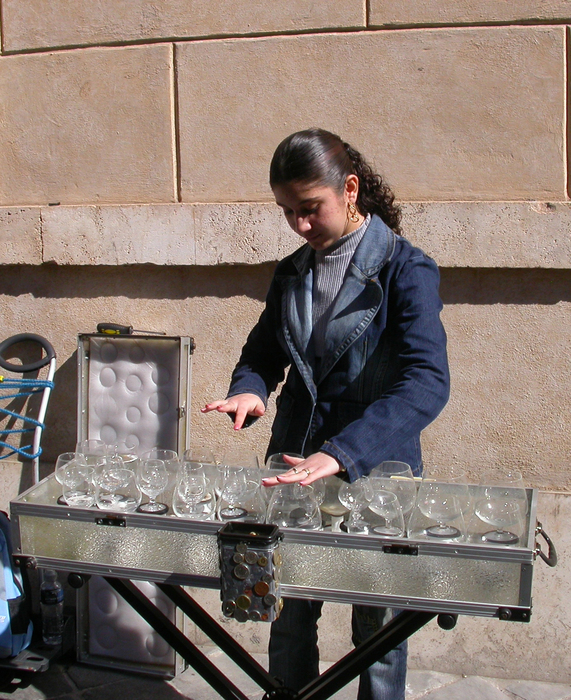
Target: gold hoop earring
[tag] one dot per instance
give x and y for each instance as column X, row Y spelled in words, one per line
column 353, row 214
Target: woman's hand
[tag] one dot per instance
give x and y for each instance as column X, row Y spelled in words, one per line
column 241, row 405
column 306, row 471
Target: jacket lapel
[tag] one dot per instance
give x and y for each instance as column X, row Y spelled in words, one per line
column 360, row 295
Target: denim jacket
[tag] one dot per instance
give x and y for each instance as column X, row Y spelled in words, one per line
column 384, row 374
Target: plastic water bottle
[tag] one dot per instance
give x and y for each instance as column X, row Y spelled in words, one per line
column 51, row 602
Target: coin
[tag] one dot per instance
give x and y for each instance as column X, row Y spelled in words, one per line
column 267, row 578
column 241, row 615
column 262, row 561
column 237, row 558
column 241, row 572
column 255, row 615
column 243, row 602
column 228, row 608
column 251, row 557
column 270, row 600
column 277, row 558
column 261, row 588
column 242, row 547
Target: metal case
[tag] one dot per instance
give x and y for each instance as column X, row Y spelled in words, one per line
column 135, row 390
column 466, row 577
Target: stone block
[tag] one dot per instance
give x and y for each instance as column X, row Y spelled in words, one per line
column 20, row 239
column 53, row 23
column 157, row 234
column 239, row 233
column 464, row 114
column 491, row 234
column 87, row 126
column 456, row 234
column 404, row 12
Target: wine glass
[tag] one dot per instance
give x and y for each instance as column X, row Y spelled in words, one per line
column 62, row 462
column 127, row 451
column 452, row 474
column 152, row 479
column 385, row 504
column 171, row 460
column 193, row 495
column 92, row 448
column 116, row 488
column 441, row 503
column 253, row 503
column 505, row 514
column 276, row 461
column 233, row 490
column 240, row 457
column 330, row 504
column 294, row 505
column 356, row 496
column 199, row 454
column 501, row 501
column 78, row 486
column 396, row 477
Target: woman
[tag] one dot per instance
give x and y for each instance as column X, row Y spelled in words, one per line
column 355, row 314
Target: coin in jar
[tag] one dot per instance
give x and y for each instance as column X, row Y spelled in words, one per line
column 251, row 557
column 267, row 578
column 277, row 557
column 237, row 558
column 262, row 560
column 255, row 615
column 241, row 572
column 240, row 615
column 243, row 602
column 270, row 600
column 242, row 547
column 228, row 608
column 261, row 588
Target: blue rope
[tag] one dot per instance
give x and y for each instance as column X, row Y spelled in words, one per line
column 36, row 385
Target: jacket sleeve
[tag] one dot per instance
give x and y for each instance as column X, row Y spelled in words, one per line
column 263, row 360
column 421, row 389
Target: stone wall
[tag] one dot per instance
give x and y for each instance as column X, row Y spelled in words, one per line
column 135, row 143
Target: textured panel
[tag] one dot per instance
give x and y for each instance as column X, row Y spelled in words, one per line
column 87, row 126
column 445, row 114
column 47, row 23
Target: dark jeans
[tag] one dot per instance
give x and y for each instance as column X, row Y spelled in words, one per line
column 294, row 656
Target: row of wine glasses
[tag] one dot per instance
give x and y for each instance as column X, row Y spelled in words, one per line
column 387, row 502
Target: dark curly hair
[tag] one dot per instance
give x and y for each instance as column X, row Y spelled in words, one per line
column 322, row 158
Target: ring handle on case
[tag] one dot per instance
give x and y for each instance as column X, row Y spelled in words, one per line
column 32, row 366
column 551, row 558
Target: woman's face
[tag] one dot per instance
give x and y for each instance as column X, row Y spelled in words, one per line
column 318, row 213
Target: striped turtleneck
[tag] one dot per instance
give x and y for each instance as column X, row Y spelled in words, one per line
column 331, row 267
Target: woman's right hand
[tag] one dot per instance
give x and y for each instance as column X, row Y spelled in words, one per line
column 242, row 405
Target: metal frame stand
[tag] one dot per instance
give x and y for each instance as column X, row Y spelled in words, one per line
column 345, row 670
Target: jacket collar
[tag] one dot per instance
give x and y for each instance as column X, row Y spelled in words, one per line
column 375, row 248
column 356, row 305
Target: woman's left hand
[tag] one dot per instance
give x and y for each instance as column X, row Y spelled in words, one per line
column 306, row 471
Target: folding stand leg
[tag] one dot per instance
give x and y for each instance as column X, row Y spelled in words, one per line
column 345, row 670
column 355, row 662
column 183, row 646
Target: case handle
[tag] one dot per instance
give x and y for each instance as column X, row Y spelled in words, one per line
column 32, row 366
column 551, row 558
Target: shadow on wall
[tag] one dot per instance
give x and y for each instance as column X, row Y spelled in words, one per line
column 504, row 286
column 136, row 281
column 458, row 285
